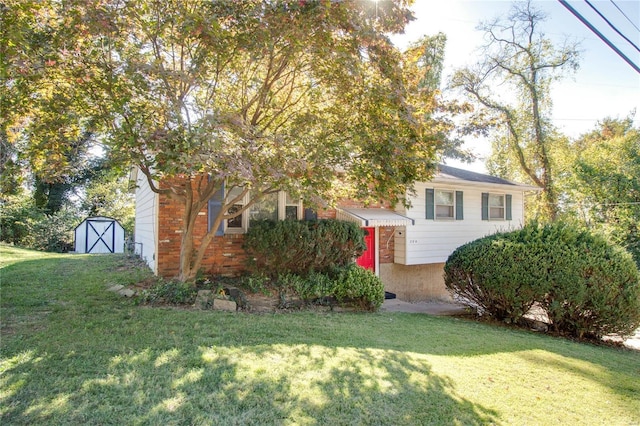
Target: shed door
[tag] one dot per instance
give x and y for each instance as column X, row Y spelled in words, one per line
column 100, row 236
column 368, row 258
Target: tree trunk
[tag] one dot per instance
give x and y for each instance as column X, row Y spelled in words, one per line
column 194, row 201
column 186, row 272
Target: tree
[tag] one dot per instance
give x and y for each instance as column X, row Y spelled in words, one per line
column 518, row 56
column 21, row 50
column 108, row 194
column 44, row 137
column 603, row 188
column 422, row 67
column 258, row 96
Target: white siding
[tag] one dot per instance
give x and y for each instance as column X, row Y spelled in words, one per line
column 432, row 241
column 146, row 224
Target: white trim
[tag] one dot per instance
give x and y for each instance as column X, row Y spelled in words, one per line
column 470, row 183
column 156, row 231
column 376, row 243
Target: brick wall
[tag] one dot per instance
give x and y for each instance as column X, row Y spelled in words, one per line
column 225, row 255
column 386, row 244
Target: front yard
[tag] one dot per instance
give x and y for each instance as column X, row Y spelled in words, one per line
column 74, row 353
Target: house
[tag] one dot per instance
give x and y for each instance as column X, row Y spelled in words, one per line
column 454, row 208
column 407, row 247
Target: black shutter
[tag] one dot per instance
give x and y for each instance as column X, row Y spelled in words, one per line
column 215, row 205
column 459, row 206
column 430, row 194
column 485, row 206
column 310, row 214
column 507, row 200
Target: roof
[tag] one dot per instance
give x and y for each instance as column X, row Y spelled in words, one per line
column 373, row 217
column 452, row 174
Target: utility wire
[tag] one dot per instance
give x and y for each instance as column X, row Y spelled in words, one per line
column 625, row 15
column 611, row 25
column 599, row 34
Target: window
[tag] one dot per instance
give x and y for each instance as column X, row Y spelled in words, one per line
column 292, row 207
column 264, row 209
column 235, row 224
column 275, row 206
column 444, row 204
column 496, row 206
column 215, row 205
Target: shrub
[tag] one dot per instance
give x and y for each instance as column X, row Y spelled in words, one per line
column 55, row 232
column 18, row 218
column 349, row 285
column 24, row 224
column 595, row 286
column 300, row 247
column 172, row 292
column 255, row 283
column 586, row 285
column 493, row 275
column 358, row 286
column 314, row 287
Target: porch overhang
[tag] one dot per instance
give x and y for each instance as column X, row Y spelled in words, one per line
column 373, row 217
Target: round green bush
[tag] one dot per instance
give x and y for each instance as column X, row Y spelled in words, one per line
column 493, row 274
column 360, row 287
column 586, row 285
column 595, row 286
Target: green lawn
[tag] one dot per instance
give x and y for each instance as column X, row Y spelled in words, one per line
column 74, row 353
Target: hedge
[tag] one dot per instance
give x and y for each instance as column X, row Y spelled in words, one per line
column 586, row 285
column 300, row 247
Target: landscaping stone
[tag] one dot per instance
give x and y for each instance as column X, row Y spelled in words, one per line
column 338, row 308
column 208, row 299
column 260, row 303
column 127, row 292
column 115, row 288
column 224, row 305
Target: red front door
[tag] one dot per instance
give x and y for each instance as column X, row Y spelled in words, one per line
column 368, row 258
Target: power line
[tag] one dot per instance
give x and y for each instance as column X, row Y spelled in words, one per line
column 625, row 15
column 611, row 25
column 599, row 34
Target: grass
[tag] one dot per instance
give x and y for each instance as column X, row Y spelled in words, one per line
column 74, row 353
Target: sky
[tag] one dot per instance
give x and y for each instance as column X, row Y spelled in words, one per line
column 604, row 85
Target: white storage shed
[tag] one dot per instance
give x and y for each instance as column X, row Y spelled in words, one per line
column 99, row 235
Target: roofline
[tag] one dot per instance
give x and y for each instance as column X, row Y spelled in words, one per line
column 459, row 181
column 450, row 174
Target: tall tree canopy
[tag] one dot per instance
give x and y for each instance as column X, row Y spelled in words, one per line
column 304, row 96
column 524, row 63
column 603, row 183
